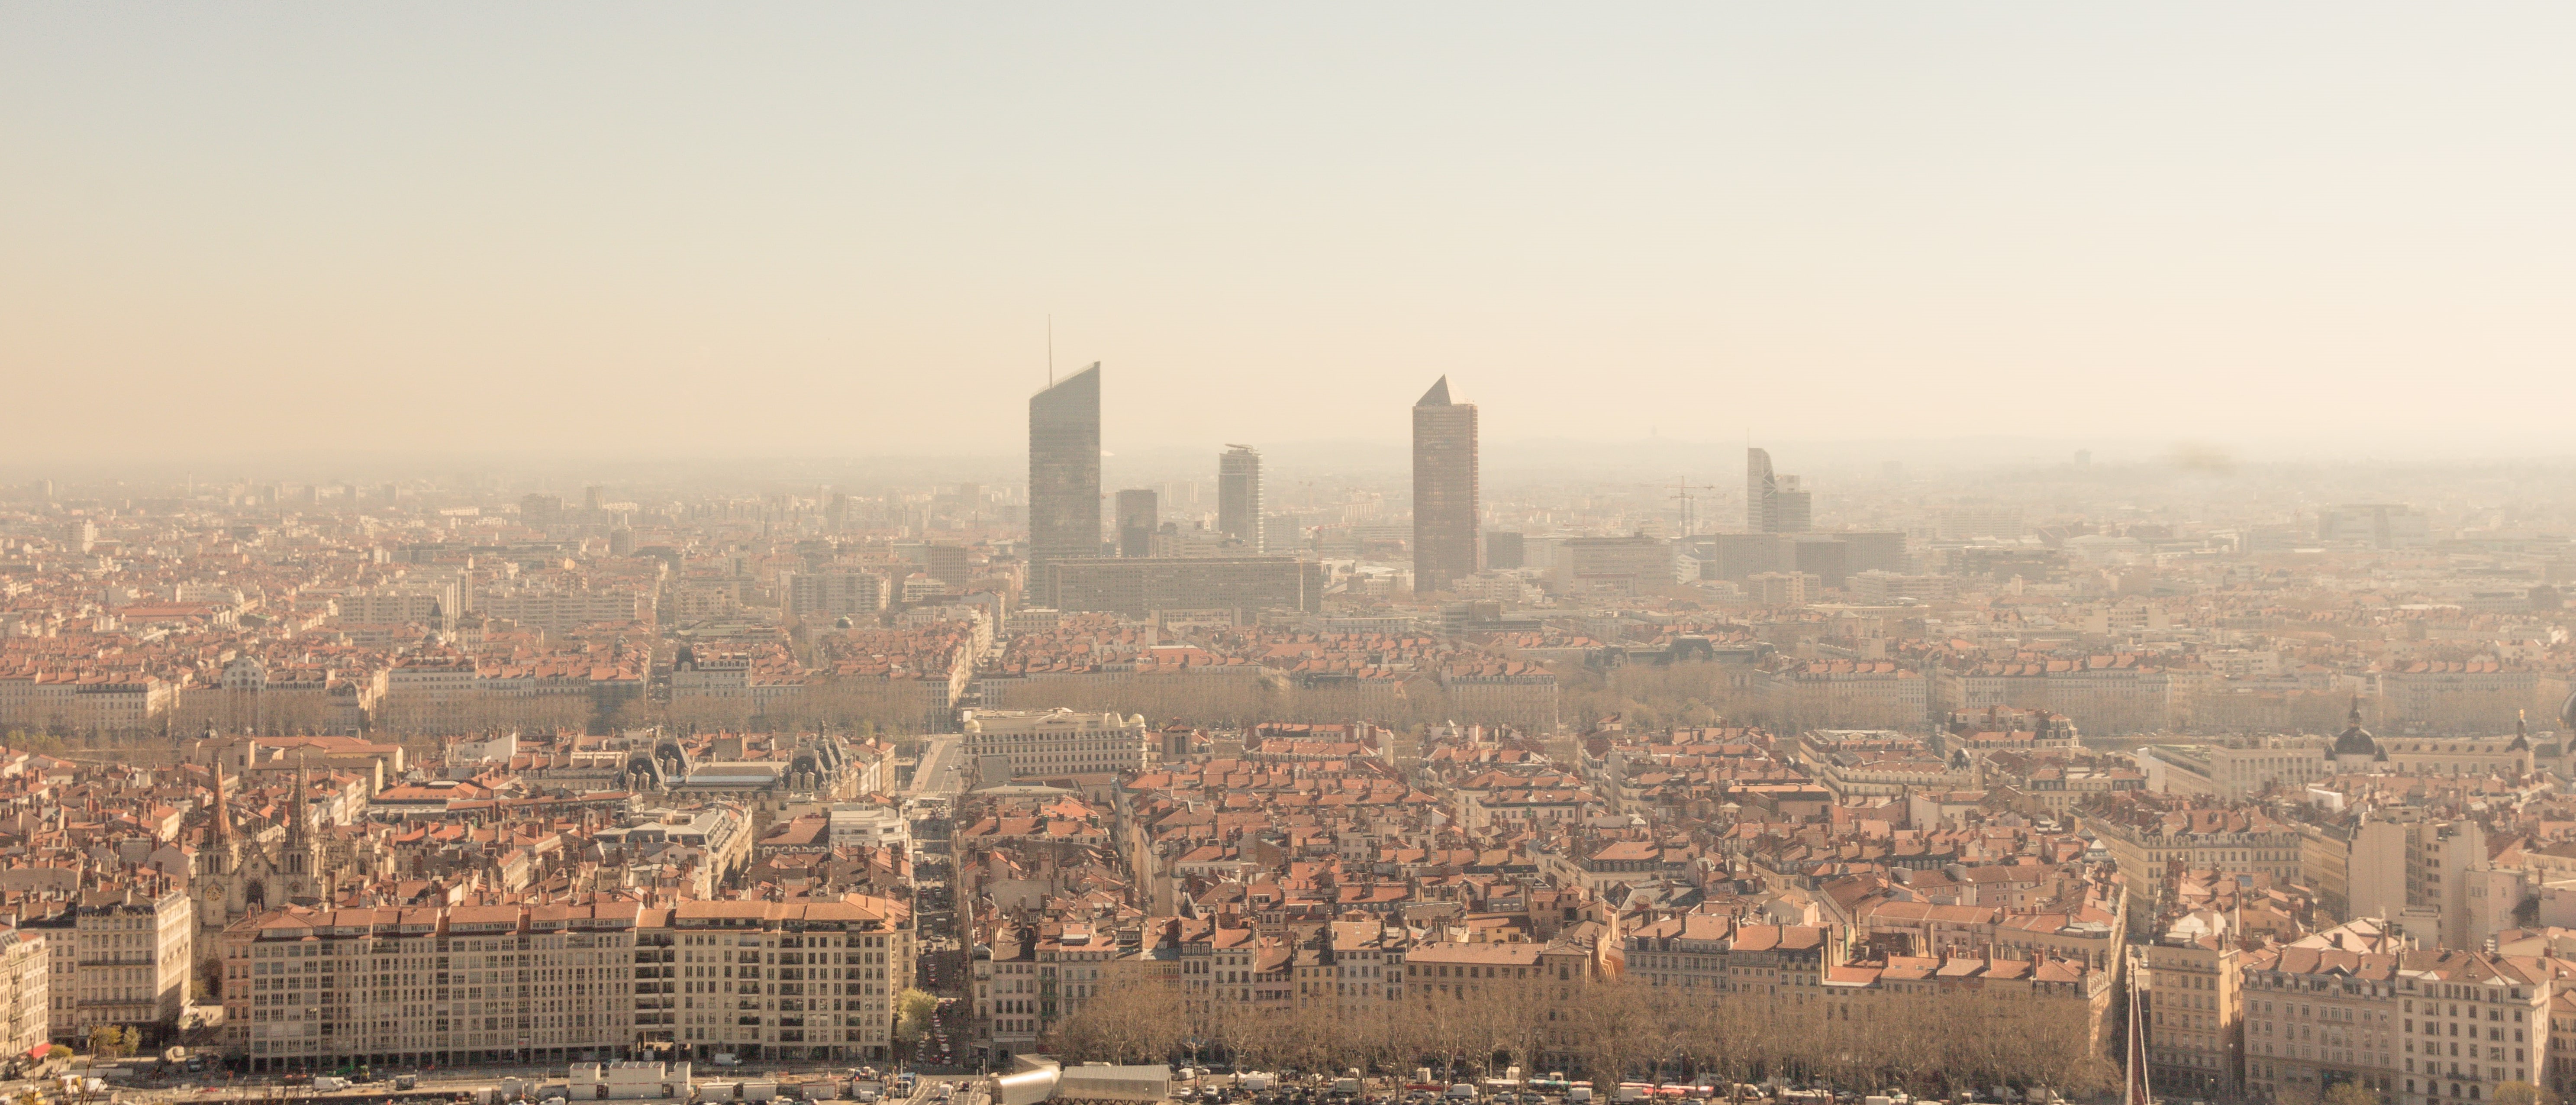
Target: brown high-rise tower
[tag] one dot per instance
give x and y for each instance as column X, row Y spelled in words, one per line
column 1444, row 490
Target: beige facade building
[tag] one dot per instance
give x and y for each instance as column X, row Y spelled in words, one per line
column 2235, row 773
column 1053, row 742
column 566, row 611
column 118, row 957
column 2421, row 1027
column 26, row 989
column 84, row 702
column 1846, row 694
column 306, row 989
column 2194, row 1004
column 785, row 980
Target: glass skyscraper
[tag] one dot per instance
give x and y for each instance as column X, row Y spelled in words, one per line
column 1064, row 469
column 1773, row 503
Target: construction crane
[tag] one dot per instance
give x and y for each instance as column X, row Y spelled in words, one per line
column 1684, row 493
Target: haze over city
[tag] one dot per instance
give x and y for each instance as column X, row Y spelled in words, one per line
column 625, row 231
column 1969, row 554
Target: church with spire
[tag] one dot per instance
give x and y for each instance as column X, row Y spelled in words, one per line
column 244, row 871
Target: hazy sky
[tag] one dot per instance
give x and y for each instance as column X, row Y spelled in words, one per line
column 840, row 228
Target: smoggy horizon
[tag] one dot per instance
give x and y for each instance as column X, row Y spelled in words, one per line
column 812, row 231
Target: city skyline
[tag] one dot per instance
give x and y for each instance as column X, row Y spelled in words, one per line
column 579, row 553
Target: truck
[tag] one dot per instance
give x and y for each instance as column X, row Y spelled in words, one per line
column 406, row 1081
column 1256, row 1081
column 329, row 1083
column 1346, row 1088
column 1578, row 1095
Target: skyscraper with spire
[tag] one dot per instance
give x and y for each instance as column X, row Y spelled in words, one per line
column 1064, row 469
column 1444, row 490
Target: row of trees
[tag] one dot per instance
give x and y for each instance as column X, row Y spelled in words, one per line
column 1931, row 1044
column 1241, row 697
column 1649, row 697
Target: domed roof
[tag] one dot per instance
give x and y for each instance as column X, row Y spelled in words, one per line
column 2355, row 740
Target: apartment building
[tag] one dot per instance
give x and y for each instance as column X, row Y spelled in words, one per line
column 117, row 957
column 436, row 607
column 2191, row 992
column 1685, row 952
column 1006, row 993
column 1846, row 693
column 826, row 595
column 2421, row 870
column 2144, row 843
column 2457, row 997
column 2421, row 1027
column 26, row 989
column 1518, row 694
column 1880, row 763
column 2454, row 696
column 306, row 989
column 1361, row 963
column 799, row 980
column 2319, row 1015
column 562, row 612
column 1028, row 979
column 109, row 702
column 786, row 980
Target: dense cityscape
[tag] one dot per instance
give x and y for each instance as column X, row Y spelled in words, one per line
column 1985, row 553
column 2017, row 782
